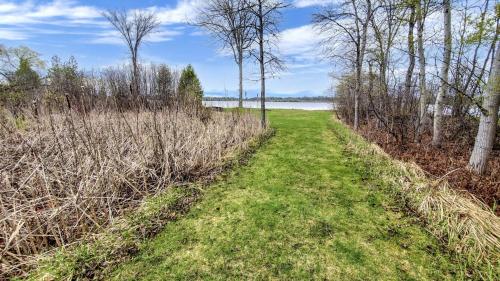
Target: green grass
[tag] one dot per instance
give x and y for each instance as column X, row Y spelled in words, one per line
column 301, row 209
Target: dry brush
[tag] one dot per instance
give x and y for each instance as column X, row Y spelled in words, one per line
column 65, row 176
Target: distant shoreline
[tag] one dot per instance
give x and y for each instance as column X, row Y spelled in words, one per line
column 321, row 99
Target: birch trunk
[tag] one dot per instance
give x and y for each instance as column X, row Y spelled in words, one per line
column 438, row 106
column 488, row 123
column 421, row 73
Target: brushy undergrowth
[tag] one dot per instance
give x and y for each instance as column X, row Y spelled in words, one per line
column 98, row 254
column 469, row 228
column 66, row 176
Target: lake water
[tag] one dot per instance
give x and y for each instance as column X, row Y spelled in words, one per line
column 273, row 105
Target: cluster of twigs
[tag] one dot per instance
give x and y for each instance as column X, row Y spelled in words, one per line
column 64, row 176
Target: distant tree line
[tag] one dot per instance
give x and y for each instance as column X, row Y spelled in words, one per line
column 26, row 84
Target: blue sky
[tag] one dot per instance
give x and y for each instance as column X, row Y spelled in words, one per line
column 75, row 27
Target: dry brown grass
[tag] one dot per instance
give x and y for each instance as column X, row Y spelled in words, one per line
column 65, row 176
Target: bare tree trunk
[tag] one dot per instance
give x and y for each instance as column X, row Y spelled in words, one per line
column 262, row 68
column 421, row 74
column 240, row 66
column 360, row 58
column 133, row 30
column 356, row 96
column 411, row 51
column 135, row 76
column 487, row 125
column 411, row 66
column 438, row 106
column 370, row 89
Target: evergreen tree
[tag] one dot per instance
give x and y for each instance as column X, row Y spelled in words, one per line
column 65, row 78
column 164, row 84
column 25, row 78
column 189, row 85
column 23, row 83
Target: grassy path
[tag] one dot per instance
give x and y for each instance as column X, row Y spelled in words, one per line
column 301, row 209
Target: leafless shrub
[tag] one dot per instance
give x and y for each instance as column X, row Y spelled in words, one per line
column 64, row 176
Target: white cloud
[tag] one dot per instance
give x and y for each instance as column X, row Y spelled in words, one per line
column 66, row 9
column 162, row 36
column 54, row 12
column 7, row 34
column 183, row 12
column 17, row 18
column 113, row 37
column 301, row 42
column 107, row 37
column 7, row 7
column 308, row 3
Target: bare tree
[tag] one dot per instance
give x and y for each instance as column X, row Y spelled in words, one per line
column 267, row 14
column 438, row 106
column 422, row 10
column 133, row 28
column 352, row 18
column 386, row 23
column 412, row 5
column 232, row 23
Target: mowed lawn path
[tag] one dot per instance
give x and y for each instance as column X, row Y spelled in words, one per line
column 301, row 209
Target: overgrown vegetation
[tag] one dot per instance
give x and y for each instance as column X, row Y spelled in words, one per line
column 448, row 162
column 99, row 253
column 303, row 208
column 79, row 149
column 450, row 101
column 67, row 175
column 470, row 229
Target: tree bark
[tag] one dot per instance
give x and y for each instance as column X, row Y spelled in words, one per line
column 438, row 106
column 488, row 123
column 356, row 95
column 240, row 66
column 360, row 55
column 411, row 66
column 421, row 73
column 135, row 77
column 262, row 68
column 411, row 51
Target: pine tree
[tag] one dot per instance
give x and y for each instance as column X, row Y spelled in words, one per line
column 164, row 84
column 25, row 78
column 189, row 86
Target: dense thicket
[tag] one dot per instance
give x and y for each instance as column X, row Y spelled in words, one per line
column 422, row 70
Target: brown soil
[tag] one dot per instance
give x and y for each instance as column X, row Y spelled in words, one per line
column 449, row 161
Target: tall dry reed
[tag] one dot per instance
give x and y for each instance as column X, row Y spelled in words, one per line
column 64, row 176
